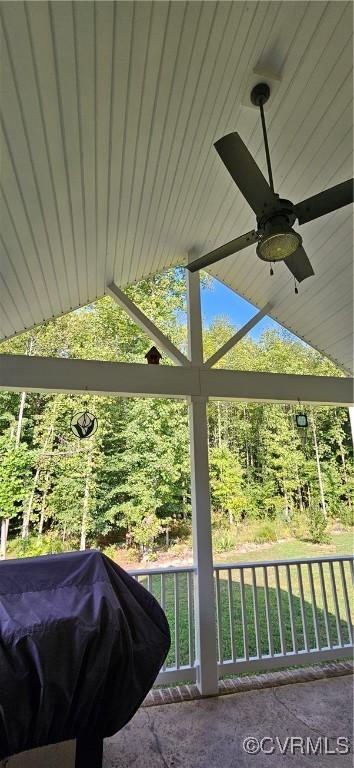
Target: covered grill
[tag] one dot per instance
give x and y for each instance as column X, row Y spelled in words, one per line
column 81, row 643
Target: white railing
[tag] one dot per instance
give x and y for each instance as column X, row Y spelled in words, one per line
column 174, row 588
column 276, row 614
column 268, row 614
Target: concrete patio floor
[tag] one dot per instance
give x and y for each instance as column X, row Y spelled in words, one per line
column 210, row 732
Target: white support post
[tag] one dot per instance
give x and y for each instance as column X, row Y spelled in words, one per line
column 351, row 419
column 204, row 600
column 194, row 319
column 147, row 325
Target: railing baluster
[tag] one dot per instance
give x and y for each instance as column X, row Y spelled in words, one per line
column 291, row 610
column 190, row 618
column 280, row 611
column 302, row 607
column 176, row 596
column 163, row 602
column 336, row 606
column 325, row 605
column 150, row 583
column 244, row 616
column 231, row 614
column 219, row 618
column 314, row 606
column 268, row 613
column 352, row 569
column 346, row 601
column 256, row 613
column 162, row 591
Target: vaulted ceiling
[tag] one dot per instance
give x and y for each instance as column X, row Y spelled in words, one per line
column 108, row 171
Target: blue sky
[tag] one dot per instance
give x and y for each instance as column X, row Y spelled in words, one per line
column 218, row 300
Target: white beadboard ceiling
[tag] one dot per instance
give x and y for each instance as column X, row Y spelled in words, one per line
column 108, row 171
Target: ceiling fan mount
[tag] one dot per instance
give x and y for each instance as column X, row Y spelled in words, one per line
column 260, row 94
column 275, row 237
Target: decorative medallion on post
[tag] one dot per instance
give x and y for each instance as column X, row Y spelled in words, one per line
column 153, row 356
column 83, row 424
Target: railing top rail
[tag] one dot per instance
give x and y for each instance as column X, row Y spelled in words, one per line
column 250, row 564
column 159, row 571
column 293, row 561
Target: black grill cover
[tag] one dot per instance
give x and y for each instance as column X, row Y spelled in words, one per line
column 81, row 643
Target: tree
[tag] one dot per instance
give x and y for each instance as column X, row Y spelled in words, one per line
column 152, row 466
column 14, row 481
column 226, row 483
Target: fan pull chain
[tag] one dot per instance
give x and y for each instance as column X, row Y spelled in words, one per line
column 271, row 271
column 296, row 288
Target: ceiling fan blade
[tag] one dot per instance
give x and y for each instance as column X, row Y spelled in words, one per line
column 245, row 173
column 225, row 250
column 325, row 202
column 299, row 265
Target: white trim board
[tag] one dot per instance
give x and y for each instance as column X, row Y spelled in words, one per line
column 46, row 374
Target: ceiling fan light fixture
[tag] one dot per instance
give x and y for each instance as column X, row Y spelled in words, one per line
column 277, row 245
column 275, row 215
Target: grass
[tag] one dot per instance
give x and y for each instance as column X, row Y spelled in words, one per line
column 279, row 603
column 341, row 544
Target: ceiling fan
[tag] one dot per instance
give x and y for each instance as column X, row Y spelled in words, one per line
column 275, row 237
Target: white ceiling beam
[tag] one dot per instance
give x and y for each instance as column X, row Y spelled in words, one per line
column 50, row 374
column 139, row 318
column 237, row 336
column 276, row 387
column 46, row 374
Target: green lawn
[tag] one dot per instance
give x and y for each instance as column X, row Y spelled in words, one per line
column 341, row 544
column 278, row 603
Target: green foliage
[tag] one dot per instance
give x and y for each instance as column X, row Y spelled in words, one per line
column 346, row 515
column 110, row 552
column 298, row 525
column 152, row 467
column 267, row 533
column 317, row 525
column 223, row 540
column 48, row 544
column 226, row 476
column 14, row 476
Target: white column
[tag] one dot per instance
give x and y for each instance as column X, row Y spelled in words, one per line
column 204, row 600
column 351, row 419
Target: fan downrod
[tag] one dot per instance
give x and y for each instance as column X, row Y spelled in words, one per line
column 260, row 94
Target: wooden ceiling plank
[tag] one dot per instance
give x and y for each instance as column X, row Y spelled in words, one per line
column 67, row 91
column 39, row 22
column 154, row 66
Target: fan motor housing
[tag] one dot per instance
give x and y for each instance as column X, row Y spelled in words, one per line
column 282, row 213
